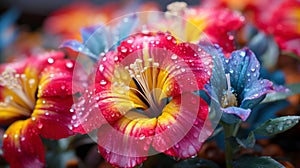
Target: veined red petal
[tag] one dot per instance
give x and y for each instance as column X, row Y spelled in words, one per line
column 56, row 80
column 193, row 140
column 182, row 117
column 22, row 146
column 130, row 139
column 52, row 117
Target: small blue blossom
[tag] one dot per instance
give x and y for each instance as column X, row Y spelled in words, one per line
column 99, row 39
column 235, row 87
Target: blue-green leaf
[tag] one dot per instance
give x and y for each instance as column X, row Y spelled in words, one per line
column 256, row 162
column 277, row 125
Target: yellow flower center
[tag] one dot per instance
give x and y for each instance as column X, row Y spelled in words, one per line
column 17, row 92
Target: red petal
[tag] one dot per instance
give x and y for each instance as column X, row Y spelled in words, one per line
column 87, row 112
column 22, row 146
column 56, row 80
column 193, row 140
column 53, row 117
column 126, row 143
column 181, row 121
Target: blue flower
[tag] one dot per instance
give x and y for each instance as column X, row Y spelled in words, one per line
column 99, row 39
column 235, row 86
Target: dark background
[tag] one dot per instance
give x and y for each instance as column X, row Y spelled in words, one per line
column 33, row 12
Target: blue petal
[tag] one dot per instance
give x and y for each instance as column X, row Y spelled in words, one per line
column 124, row 28
column 95, row 38
column 77, row 47
column 217, row 81
column 7, row 20
column 243, row 68
column 240, row 112
column 256, row 92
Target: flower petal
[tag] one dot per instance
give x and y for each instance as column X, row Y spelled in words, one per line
column 87, row 115
column 126, row 143
column 183, row 116
column 242, row 113
column 74, row 47
column 52, row 117
column 56, row 80
column 22, row 146
column 243, row 68
column 193, row 140
column 256, row 93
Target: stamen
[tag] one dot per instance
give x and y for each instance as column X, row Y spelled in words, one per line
column 139, row 72
column 229, row 99
column 14, row 82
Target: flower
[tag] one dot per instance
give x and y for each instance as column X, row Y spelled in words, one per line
column 143, row 99
column 217, row 25
column 67, row 21
column 99, row 39
column 235, row 86
column 283, row 24
column 36, row 97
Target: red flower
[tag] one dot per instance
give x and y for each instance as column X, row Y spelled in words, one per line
column 36, row 97
column 282, row 20
column 143, row 96
column 218, row 25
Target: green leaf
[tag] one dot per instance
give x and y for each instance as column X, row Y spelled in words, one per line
column 196, row 163
column 248, row 161
column 249, row 142
column 293, row 89
column 277, row 125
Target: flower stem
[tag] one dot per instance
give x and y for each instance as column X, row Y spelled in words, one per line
column 230, row 130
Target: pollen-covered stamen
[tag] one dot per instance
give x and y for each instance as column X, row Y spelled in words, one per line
column 144, row 74
column 15, row 83
column 229, row 99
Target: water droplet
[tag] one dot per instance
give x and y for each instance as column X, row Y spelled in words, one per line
column 50, row 60
column 74, row 117
column 123, row 50
column 63, row 87
column 174, row 56
column 231, row 71
column 116, row 58
column 16, row 136
column 72, row 110
column 5, row 136
column 76, row 125
column 19, row 150
column 243, row 53
column 129, row 41
column 47, row 113
column 227, row 61
column 177, row 146
column 22, row 138
column 248, row 74
column 103, row 82
column 69, row 65
column 33, row 118
column 269, row 128
column 182, row 70
column 40, row 126
column 169, row 37
column 252, row 69
column 142, row 136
